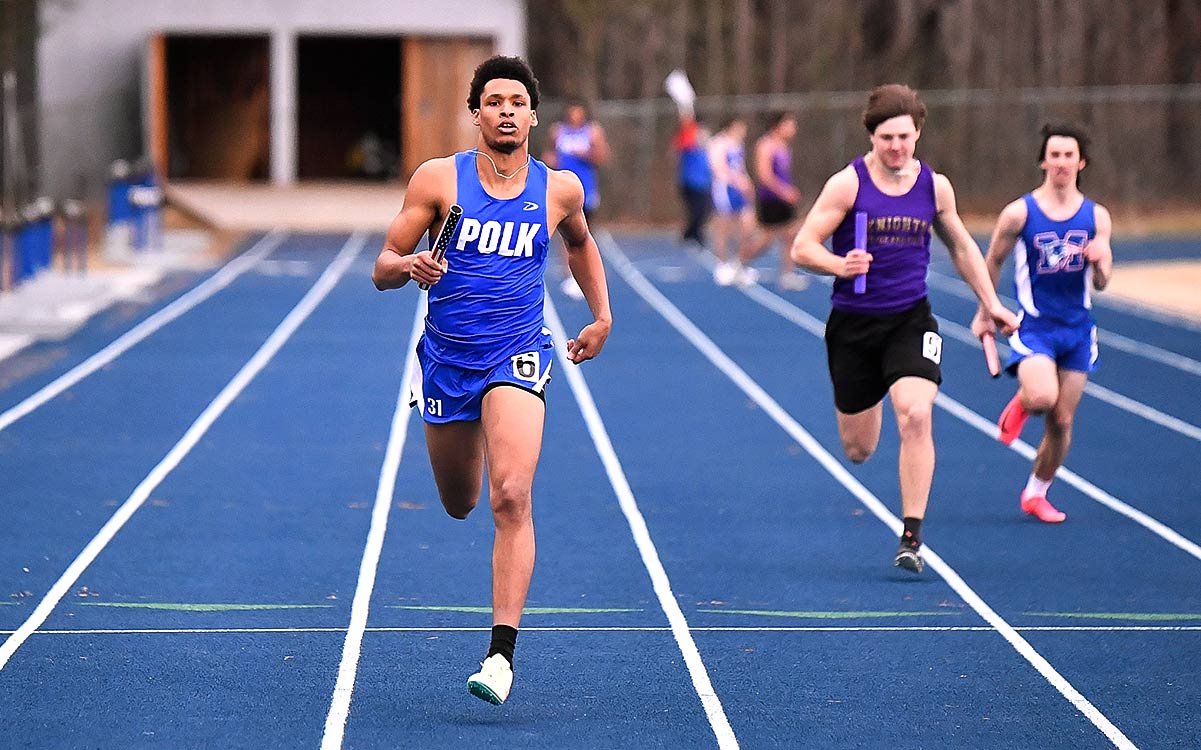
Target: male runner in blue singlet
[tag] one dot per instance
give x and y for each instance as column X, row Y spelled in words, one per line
column 485, row 356
column 734, row 218
column 578, row 144
column 885, row 340
column 1063, row 250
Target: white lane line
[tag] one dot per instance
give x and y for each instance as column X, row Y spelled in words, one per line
column 642, row 538
column 649, row 629
column 811, row 324
column 257, row 362
column 352, row 647
column 959, row 289
column 210, row 286
column 1088, row 488
column 1154, row 353
column 1096, row 390
column 1091, row 388
column 722, row 361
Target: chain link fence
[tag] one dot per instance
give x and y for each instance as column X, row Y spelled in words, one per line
column 1145, row 154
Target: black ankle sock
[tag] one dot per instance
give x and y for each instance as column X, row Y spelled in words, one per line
column 912, row 535
column 504, row 640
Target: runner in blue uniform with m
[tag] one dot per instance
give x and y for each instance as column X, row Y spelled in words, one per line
column 885, row 341
column 485, row 356
column 1062, row 249
column 578, row 145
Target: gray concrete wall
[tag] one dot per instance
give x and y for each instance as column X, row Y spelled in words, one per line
column 90, row 59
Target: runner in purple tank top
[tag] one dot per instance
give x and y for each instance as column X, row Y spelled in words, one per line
column 776, row 200
column 885, row 340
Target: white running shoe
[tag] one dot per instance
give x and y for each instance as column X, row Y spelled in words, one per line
column 494, row 680
column 746, row 276
column 724, row 273
column 792, row 282
column 571, row 288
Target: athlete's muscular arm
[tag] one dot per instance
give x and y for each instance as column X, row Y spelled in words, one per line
column 965, row 253
column 1099, row 252
column 565, row 195
column 1004, row 238
column 831, row 207
column 425, row 202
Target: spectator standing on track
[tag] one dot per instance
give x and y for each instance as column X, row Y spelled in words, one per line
column 1064, row 250
column 485, row 355
column 694, row 175
column 580, row 147
column 776, row 200
column 734, row 218
column 885, row 340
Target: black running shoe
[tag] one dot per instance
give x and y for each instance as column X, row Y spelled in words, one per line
column 908, row 558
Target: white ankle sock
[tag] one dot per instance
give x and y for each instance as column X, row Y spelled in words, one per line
column 1038, row 487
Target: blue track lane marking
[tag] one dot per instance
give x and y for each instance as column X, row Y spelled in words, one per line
column 811, row 324
column 705, row 345
column 648, row 629
column 339, row 708
column 183, row 304
column 191, row 437
column 726, row 740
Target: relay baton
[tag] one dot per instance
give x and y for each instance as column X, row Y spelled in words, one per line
column 861, row 244
column 448, row 229
column 990, row 354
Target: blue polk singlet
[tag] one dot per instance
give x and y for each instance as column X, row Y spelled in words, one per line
column 488, row 305
column 898, row 238
column 570, row 146
column 1051, row 273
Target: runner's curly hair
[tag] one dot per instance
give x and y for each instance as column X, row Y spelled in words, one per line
column 512, row 68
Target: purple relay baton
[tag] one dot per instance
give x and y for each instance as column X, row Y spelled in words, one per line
column 861, row 244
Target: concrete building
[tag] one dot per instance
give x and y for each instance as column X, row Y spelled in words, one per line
column 270, row 90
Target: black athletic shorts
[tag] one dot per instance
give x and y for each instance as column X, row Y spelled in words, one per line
column 773, row 212
column 868, row 353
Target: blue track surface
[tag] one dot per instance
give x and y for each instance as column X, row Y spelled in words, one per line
column 218, row 613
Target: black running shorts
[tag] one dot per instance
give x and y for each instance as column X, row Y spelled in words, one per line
column 868, row 353
column 773, row 212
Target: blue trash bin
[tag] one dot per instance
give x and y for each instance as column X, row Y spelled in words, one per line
column 24, row 251
column 39, row 231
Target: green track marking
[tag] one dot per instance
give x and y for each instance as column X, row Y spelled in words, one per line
column 1135, row 616
column 190, row 607
column 526, row 611
column 824, row 615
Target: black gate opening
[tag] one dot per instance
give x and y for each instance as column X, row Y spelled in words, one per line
column 348, row 107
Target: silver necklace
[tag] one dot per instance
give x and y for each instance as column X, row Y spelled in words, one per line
column 498, row 172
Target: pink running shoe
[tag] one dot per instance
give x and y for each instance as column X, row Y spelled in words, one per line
column 1013, row 418
column 1041, row 509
